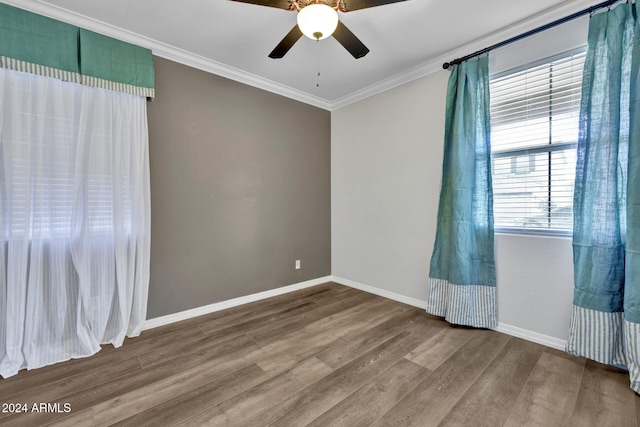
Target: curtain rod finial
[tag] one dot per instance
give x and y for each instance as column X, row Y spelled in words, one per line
column 446, row 65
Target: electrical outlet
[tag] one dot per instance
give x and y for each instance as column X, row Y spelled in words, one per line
column 297, row 264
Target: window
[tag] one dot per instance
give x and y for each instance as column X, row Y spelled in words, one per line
column 61, row 163
column 74, row 218
column 534, row 134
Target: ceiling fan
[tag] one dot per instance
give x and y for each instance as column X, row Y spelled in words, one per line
column 318, row 19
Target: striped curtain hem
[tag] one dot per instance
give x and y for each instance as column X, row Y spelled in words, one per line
column 463, row 305
column 68, row 76
column 597, row 335
column 118, row 87
column 41, row 70
column 632, row 351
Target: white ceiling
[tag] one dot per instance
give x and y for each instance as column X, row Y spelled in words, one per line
column 407, row 39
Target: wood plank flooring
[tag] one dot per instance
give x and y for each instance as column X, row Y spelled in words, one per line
column 324, row 356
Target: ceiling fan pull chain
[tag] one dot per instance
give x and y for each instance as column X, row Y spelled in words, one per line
column 318, row 58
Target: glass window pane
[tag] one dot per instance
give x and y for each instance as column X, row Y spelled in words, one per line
column 534, row 130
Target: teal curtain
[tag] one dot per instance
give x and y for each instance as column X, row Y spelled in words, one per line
column 462, row 282
column 605, row 322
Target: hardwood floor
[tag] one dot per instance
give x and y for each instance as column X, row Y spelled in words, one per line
column 323, row 356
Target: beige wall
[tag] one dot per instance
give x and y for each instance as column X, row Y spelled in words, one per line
column 240, row 189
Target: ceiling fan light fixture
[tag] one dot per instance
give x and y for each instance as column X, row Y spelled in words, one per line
column 317, row 21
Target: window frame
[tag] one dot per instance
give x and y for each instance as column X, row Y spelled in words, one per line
column 541, row 149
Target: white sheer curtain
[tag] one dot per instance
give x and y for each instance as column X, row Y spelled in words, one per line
column 75, row 219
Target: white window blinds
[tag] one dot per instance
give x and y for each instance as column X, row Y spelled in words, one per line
column 75, row 219
column 50, row 193
column 534, row 133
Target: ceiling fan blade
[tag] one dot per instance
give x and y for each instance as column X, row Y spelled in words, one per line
column 287, row 43
column 280, row 4
column 349, row 41
column 364, row 4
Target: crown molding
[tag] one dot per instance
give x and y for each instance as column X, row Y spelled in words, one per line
column 173, row 53
column 167, row 51
column 433, row 65
column 399, row 79
column 235, row 74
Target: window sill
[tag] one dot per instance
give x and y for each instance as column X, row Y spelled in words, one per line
column 534, row 233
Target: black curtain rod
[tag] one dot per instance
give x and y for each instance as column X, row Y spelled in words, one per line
column 530, row 33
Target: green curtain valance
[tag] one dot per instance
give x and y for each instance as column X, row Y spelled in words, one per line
column 36, row 44
column 109, row 59
column 34, row 38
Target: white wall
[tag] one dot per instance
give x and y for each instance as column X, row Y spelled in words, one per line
column 535, row 283
column 386, row 160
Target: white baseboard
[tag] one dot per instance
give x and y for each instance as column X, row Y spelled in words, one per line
column 199, row 311
column 535, row 337
column 502, row 327
column 381, row 292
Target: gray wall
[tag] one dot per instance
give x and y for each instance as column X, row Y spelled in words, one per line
column 240, row 189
